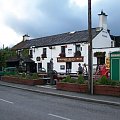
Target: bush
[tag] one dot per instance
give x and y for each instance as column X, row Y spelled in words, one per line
column 23, row 75
column 30, row 76
column 104, row 81
column 114, row 83
column 68, row 79
column 34, row 76
column 80, row 80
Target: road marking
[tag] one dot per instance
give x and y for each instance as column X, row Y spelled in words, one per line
column 59, row 117
column 6, row 101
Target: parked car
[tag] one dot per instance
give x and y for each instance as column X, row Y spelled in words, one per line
column 8, row 71
column 42, row 70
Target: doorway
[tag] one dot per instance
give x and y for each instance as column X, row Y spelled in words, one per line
column 68, row 67
column 101, row 60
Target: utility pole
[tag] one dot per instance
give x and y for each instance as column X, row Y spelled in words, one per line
column 90, row 59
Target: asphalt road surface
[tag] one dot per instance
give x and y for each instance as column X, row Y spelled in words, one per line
column 18, row 104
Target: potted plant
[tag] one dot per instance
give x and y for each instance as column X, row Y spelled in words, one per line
column 44, row 56
column 62, row 54
column 77, row 54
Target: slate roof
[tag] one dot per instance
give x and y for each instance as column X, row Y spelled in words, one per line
column 17, row 59
column 60, row 39
column 28, row 60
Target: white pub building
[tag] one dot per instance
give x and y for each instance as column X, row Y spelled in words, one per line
column 67, row 50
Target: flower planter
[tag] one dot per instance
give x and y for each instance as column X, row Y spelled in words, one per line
column 107, row 90
column 83, row 88
column 43, row 56
column 77, row 54
column 23, row 81
column 72, row 87
column 62, row 54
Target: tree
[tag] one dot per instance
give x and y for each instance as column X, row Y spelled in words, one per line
column 5, row 54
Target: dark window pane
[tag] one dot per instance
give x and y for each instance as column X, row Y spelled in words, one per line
column 31, row 53
column 39, row 66
column 62, row 49
column 78, row 48
column 44, row 51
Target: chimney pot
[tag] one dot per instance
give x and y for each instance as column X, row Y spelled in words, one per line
column 26, row 37
column 102, row 20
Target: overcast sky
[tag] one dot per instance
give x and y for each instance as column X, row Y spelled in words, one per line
column 47, row 17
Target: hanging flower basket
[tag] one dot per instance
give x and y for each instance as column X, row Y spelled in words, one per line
column 77, row 54
column 43, row 56
column 62, row 54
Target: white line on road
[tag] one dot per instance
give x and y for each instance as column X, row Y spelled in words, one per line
column 59, row 117
column 6, row 101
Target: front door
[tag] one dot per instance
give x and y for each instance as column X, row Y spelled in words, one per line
column 115, row 73
column 68, row 67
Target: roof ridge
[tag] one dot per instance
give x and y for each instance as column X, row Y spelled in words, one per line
column 58, row 39
column 61, row 34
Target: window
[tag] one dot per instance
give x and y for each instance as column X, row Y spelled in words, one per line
column 44, row 55
column 62, row 49
column 62, row 54
column 62, row 67
column 69, row 51
column 31, row 54
column 112, row 44
column 39, row 67
column 19, row 53
column 44, row 51
column 78, row 48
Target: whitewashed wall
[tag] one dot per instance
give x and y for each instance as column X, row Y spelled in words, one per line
column 102, row 40
column 54, row 53
column 107, row 55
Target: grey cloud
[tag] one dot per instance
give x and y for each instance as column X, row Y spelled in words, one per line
column 112, row 8
column 58, row 17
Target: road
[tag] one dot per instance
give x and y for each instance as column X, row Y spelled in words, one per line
column 18, row 104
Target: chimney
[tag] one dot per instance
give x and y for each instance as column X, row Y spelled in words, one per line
column 102, row 20
column 26, row 37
